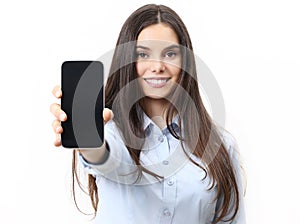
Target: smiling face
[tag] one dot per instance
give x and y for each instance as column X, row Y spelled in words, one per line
column 158, row 60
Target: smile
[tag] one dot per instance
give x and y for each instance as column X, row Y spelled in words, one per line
column 157, row 82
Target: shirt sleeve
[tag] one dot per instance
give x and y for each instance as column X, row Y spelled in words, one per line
column 232, row 147
column 118, row 166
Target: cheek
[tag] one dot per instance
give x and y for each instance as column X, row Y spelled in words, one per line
column 175, row 68
column 175, row 71
column 140, row 68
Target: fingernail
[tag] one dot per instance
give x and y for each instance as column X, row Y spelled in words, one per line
column 58, row 129
column 62, row 117
column 57, row 94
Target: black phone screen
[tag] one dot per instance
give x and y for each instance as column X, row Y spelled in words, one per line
column 82, row 100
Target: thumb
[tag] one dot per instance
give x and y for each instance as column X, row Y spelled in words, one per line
column 107, row 115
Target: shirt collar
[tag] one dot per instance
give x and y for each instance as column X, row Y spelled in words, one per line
column 147, row 121
column 148, row 124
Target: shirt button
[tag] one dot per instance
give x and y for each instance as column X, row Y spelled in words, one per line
column 170, row 182
column 166, row 212
column 161, row 138
column 165, row 162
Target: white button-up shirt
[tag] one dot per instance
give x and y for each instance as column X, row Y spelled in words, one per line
column 181, row 197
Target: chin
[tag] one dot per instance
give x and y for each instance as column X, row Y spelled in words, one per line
column 158, row 95
column 155, row 97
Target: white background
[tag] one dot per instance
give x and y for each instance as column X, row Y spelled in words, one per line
column 251, row 47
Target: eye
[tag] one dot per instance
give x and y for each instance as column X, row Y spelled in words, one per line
column 142, row 55
column 170, row 54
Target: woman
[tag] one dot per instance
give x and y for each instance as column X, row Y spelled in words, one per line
column 164, row 160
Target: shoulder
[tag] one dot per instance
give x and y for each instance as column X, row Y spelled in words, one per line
column 233, row 150
column 231, row 145
column 229, row 142
column 112, row 131
column 111, row 126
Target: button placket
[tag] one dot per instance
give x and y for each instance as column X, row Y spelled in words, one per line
column 167, row 215
column 169, row 199
column 167, row 212
column 165, row 162
column 161, row 138
column 170, row 182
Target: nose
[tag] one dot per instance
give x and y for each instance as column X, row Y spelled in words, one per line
column 157, row 66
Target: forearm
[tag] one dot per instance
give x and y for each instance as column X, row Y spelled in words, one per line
column 114, row 161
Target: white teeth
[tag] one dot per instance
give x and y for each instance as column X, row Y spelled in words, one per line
column 156, row 81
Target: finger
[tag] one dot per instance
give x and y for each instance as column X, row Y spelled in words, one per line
column 57, row 141
column 57, row 91
column 58, row 112
column 57, row 127
column 107, row 115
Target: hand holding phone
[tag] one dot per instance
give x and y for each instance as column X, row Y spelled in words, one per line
column 83, row 102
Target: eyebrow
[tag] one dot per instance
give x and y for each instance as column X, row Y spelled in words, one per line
column 166, row 48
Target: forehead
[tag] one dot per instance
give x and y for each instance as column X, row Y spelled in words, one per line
column 158, row 32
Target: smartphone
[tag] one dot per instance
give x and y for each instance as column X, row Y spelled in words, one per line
column 83, row 102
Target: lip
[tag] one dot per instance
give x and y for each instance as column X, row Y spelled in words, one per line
column 157, row 82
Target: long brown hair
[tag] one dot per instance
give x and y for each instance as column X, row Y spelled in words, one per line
column 217, row 162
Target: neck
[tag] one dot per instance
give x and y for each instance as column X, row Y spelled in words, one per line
column 156, row 110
